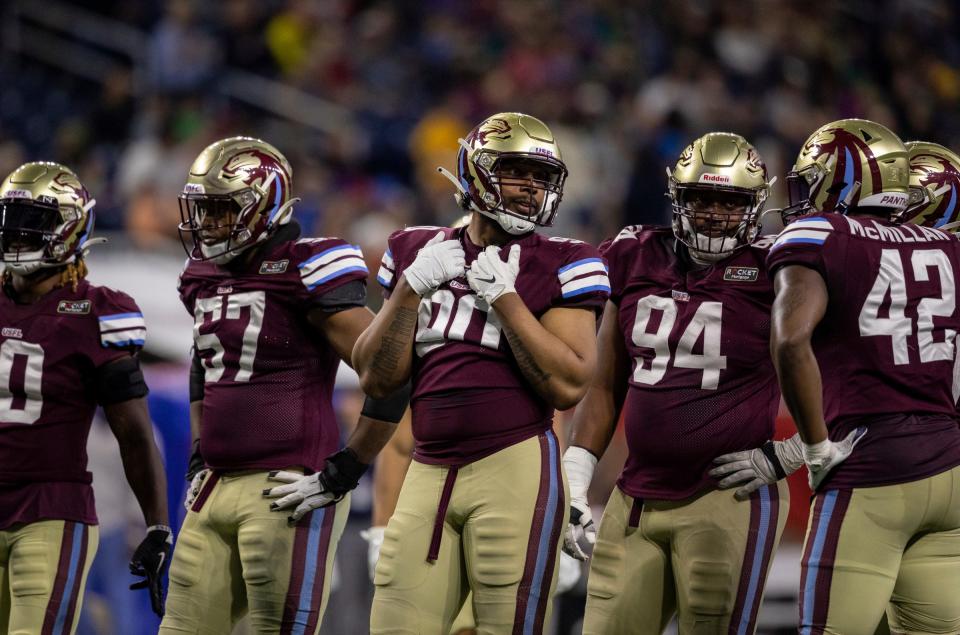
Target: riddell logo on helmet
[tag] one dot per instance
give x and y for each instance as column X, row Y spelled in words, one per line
column 193, row 188
column 714, row 178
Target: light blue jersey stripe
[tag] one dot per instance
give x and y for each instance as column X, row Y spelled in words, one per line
column 756, row 567
column 309, row 571
column 336, row 274
column 59, row 627
column 813, row 566
column 120, row 316
column 597, row 287
column 545, row 543
column 580, row 262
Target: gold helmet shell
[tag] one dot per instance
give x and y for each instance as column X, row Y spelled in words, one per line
column 508, row 135
column 717, row 162
column 934, row 186
column 46, row 217
column 847, row 164
column 247, row 177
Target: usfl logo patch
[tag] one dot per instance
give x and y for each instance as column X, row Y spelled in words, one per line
column 74, row 307
column 741, row 274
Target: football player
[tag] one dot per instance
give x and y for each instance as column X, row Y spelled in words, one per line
column 863, row 340
column 684, row 358
column 274, row 315
column 66, row 347
column 392, row 464
column 496, row 325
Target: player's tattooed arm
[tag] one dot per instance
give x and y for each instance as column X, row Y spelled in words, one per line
column 383, row 353
column 799, row 306
column 557, row 354
column 525, row 359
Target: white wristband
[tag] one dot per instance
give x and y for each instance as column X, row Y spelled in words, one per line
column 818, row 453
column 579, row 464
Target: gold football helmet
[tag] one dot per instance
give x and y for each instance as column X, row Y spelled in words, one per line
column 483, row 168
column 934, row 198
column 237, row 192
column 46, row 217
column 847, row 164
column 724, row 164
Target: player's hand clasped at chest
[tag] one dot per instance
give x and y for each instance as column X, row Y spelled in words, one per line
column 437, row 262
column 490, row 277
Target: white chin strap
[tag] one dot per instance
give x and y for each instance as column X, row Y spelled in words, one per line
column 217, row 252
column 510, row 224
column 24, row 268
column 705, row 249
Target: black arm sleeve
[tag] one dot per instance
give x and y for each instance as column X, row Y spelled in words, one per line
column 119, row 381
column 389, row 409
column 346, row 296
column 197, row 374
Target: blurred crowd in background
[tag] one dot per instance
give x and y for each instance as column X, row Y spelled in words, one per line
column 626, row 85
column 367, row 98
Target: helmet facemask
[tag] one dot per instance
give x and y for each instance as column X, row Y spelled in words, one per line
column 31, row 235
column 714, row 222
column 522, row 190
column 217, row 224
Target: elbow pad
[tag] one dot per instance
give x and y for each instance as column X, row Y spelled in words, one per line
column 390, row 408
column 119, row 381
column 197, row 377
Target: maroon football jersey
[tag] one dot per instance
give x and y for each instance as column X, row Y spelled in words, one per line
column 49, row 353
column 269, row 374
column 885, row 346
column 470, row 398
column 701, row 381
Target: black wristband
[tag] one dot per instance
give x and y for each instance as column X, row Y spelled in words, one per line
column 119, row 381
column 389, row 409
column 771, row 454
column 343, row 472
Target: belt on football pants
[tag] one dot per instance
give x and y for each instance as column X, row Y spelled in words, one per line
column 635, row 511
column 445, row 495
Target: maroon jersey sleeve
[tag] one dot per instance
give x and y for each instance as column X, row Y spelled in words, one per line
column 402, row 248
column 616, row 252
column 120, row 326
column 324, row 265
column 582, row 280
column 802, row 243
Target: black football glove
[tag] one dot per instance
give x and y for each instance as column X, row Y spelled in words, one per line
column 151, row 560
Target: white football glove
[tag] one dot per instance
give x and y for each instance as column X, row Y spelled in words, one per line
column 193, row 489
column 579, row 464
column 826, row 455
column 569, row 573
column 374, row 538
column 490, row 277
column 437, row 262
column 304, row 493
column 761, row 466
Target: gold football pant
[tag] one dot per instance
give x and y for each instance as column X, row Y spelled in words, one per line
column 43, row 572
column 704, row 558
column 492, row 526
column 235, row 556
column 893, row 548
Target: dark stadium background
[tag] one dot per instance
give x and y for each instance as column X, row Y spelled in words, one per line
column 367, row 98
